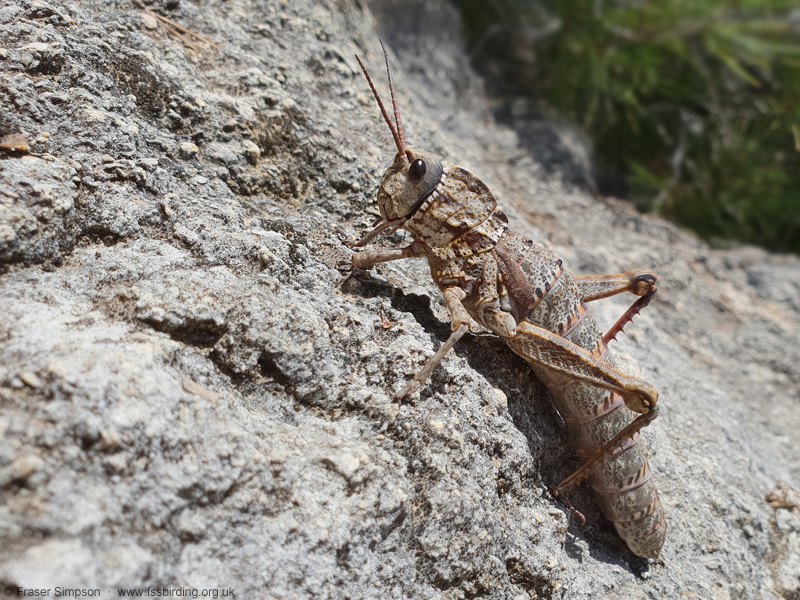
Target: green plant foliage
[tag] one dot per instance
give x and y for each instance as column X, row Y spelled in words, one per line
column 693, row 105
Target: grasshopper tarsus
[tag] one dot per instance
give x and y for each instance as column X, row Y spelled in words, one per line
column 573, row 511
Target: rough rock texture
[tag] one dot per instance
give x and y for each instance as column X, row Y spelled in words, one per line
column 192, row 394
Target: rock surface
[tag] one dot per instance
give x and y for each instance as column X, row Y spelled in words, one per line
column 193, row 395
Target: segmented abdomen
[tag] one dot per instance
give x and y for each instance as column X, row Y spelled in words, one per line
column 623, row 483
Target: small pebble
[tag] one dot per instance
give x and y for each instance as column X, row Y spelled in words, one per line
column 108, row 159
column 783, row 520
column 24, row 467
column 149, row 21
column 31, row 380
column 345, row 464
column 278, row 456
column 14, row 141
column 148, row 162
column 116, row 463
column 38, row 46
column 230, row 125
column 251, row 152
column 390, row 410
column 189, row 150
column 109, row 439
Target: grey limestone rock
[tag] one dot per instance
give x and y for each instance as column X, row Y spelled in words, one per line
column 194, row 395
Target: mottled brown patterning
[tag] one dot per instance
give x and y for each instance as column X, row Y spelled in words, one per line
column 519, row 290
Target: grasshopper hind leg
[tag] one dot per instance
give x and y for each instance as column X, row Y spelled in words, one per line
column 640, row 282
column 596, row 287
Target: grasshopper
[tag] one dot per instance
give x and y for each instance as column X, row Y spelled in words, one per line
column 520, row 291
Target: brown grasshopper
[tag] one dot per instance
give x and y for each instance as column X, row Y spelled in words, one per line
column 519, row 291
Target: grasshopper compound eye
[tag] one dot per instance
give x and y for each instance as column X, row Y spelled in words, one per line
column 417, row 171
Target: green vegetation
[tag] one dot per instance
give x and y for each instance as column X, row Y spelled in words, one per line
column 693, row 105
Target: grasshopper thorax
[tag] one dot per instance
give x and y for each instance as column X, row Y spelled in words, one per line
column 410, row 179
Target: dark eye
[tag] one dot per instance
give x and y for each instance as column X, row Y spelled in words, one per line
column 417, row 171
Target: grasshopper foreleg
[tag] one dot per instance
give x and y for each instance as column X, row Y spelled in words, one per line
column 459, row 325
column 380, row 226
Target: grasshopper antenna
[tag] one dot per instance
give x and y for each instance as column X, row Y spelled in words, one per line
column 398, row 137
column 396, row 108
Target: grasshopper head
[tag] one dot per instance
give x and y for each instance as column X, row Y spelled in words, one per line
column 411, row 178
column 414, row 174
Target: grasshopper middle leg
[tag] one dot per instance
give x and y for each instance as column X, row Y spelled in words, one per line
column 459, row 325
column 369, row 258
